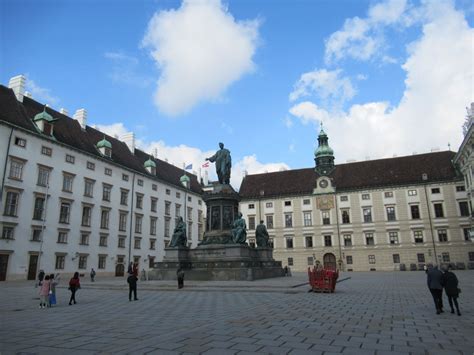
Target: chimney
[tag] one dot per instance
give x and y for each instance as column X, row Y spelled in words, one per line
column 81, row 117
column 17, row 84
column 129, row 140
column 64, row 111
column 206, row 178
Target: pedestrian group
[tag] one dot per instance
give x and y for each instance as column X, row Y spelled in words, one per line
column 437, row 280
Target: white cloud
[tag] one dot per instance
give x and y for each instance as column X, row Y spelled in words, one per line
column 41, row 94
column 251, row 165
column 438, row 86
column 201, row 50
column 124, row 70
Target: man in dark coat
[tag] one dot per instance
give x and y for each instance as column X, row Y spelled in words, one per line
column 132, row 286
column 435, row 284
column 450, row 283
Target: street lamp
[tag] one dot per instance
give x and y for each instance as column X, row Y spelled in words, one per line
column 186, row 182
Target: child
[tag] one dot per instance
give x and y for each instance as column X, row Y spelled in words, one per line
column 44, row 292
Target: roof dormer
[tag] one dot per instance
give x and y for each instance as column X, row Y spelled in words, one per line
column 150, row 166
column 105, row 148
column 45, row 122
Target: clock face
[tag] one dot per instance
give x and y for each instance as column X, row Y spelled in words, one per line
column 323, row 184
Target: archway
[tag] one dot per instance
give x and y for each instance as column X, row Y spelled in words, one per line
column 329, row 261
column 119, row 270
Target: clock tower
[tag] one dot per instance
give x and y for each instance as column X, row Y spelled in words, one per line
column 324, row 155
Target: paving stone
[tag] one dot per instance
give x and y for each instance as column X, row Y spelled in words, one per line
column 246, row 347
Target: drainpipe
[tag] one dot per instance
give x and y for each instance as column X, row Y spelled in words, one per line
column 431, row 225
column 6, row 162
column 338, row 234
column 131, row 223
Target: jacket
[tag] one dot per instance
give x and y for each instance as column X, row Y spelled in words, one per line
column 132, row 281
column 435, row 279
column 450, row 283
column 44, row 289
column 74, row 283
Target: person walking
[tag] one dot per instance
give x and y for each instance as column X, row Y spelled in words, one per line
column 74, row 285
column 40, row 277
column 92, row 275
column 435, row 285
column 52, row 289
column 132, row 287
column 44, row 292
column 450, row 283
column 180, row 276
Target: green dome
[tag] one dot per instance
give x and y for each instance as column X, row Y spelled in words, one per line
column 323, row 150
column 44, row 116
column 104, row 143
column 185, row 178
column 149, row 164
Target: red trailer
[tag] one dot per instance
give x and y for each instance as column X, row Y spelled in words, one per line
column 322, row 280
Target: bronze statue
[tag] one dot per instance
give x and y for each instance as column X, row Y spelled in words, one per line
column 179, row 234
column 261, row 235
column 223, row 164
column 239, row 230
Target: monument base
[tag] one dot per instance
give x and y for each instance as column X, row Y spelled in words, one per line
column 225, row 262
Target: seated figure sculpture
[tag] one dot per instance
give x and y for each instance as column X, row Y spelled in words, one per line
column 261, row 235
column 179, row 234
column 239, row 230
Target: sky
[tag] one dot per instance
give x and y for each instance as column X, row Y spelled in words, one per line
column 384, row 78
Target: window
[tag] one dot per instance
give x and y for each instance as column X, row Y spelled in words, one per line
column 327, row 241
column 167, row 208
column 411, row 193
column 36, row 235
column 347, row 240
column 60, row 260
column 442, row 235
column 369, row 239
column 139, row 203
column 121, row 241
column 435, row 190
column 438, row 208
column 20, row 142
column 124, row 177
column 84, row 239
column 306, row 201
column 326, row 217
column 307, row 219
column 366, row 196
column 16, row 169
column 137, row 243
column 46, row 151
column 269, row 219
column 393, row 238
column 82, row 262
column 43, row 176
column 62, row 237
column 7, row 232
column 344, row 198
column 102, row 261
column 65, row 212
column 464, row 209
column 103, row 240
column 123, row 221
column 168, row 191
column 418, row 236
column 167, row 227
column 390, row 213
column 90, row 165
column 467, row 234
column 290, row 261
column 177, row 211
column 67, row 182
column 152, row 244
column 154, row 187
column 367, row 212
column 396, row 258
column 471, row 255
column 104, row 219
column 199, row 202
column 178, row 195
column 138, row 223
column 153, row 204
column 287, row 203
column 89, row 187
column 70, row 159
column 106, row 192
column 345, row 216
column 139, row 182
column 190, row 213
column 108, row 171
column 251, row 206
column 251, row 222
column 420, row 257
column 123, row 197
column 415, row 211
column 388, row 194
column 269, row 205
column 310, row 260
column 38, row 208
column 289, row 243
column 371, row 259
column 460, row 188
column 189, row 199
column 309, row 242
column 86, row 216
column 445, row 257
column 288, row 220
column 153, row 225
column 190, row 230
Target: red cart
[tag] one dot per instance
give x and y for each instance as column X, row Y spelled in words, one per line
column 322, row 280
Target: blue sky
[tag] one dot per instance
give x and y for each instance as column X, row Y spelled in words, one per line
column 385, row 77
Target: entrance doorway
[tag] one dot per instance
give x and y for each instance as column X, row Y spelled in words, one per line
column 119, row 270
column 3, row 266
column 32, row 267
column 329, row 261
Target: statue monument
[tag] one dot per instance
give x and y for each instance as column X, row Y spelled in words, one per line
column 261, row 235
column 223, row 164
column 179, row 234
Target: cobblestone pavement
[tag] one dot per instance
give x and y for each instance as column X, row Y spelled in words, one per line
column 371, row 313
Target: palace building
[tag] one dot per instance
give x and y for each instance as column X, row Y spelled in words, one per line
column 387, row 214
column 74, row 198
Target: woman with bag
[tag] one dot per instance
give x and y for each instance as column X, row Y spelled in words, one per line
column 450, row 283
column 74, row 285
column 44, row 292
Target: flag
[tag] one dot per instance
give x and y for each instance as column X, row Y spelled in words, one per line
column 188, row 167
column 205, row 165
